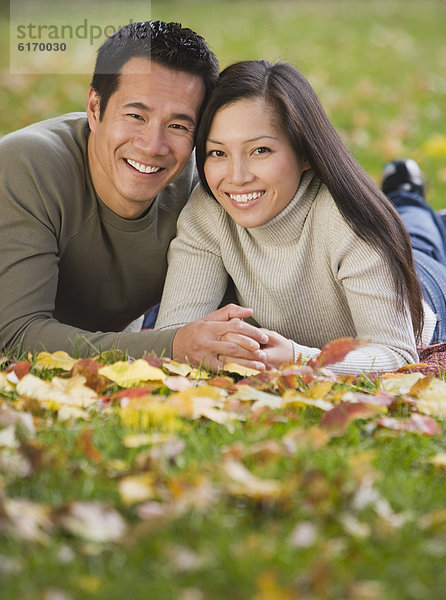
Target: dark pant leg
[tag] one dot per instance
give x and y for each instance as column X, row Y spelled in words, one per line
column 427, row 232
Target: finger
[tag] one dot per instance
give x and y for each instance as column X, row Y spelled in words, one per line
column 241, row 340
column 239, row 327
column 230, row 311
column 236, row 352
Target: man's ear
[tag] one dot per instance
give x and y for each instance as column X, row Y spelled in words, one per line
column 93, row 108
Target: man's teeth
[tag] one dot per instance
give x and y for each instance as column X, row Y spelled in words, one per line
column 245, row 197
column 142, row 168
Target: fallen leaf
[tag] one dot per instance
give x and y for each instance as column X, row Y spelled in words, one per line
column 57, row 360
column 335, row 352
column 137, row 488
column 84, row 443
column 338, row 418
column 292, row 397
column 58, row 391
column 400, row 384
column 130, row 374
column 92, row 521
column 239, row 370
column 244, row 483
column 414, row 424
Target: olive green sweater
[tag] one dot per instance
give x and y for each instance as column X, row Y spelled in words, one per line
column 305, row 273
column 73, row 274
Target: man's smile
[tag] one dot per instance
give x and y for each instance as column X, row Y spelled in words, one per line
column 141, row 167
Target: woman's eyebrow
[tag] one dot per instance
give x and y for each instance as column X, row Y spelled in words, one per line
column 254, row 139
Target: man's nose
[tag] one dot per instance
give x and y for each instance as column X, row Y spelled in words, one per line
column 153, row 140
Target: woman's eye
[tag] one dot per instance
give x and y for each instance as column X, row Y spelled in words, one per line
column 216, row 153
column 262, row 150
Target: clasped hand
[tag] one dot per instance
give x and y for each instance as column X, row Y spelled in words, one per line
column 223, row 336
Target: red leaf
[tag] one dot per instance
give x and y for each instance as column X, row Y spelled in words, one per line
column 335, row 351
column 338, row 418
column 89, row 369
column 154, row 361
column 21, row 368
column 416, row 423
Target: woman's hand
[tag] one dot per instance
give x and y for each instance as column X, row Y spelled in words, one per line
column 278, row 350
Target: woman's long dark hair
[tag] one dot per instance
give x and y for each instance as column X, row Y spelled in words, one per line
column 301, row 116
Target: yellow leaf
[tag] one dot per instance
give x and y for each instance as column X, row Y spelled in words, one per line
column 185, row 370
column 137, row 488
column 400, row 384
column 244, row 483
column 57, row 360
column 319, row 390
column 239, row 370
column 296, row 398
column 130, row 374
column 58, row 391
column 5, row 384
column 145, row 413
column 432, row 399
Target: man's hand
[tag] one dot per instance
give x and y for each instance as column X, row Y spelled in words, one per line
column 201, row 342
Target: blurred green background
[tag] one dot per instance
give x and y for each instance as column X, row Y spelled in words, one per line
column 378, row 66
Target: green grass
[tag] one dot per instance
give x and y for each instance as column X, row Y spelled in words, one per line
column 357, row 516
column 377, row 65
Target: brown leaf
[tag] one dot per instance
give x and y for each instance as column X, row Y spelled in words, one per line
column 89, row 368
column 338, row 418
column 84, row 442
column 335, row 351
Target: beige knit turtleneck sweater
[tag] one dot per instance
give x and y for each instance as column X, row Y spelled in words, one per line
column 305, row 274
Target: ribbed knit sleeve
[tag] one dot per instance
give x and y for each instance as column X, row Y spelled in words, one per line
column 196, row 278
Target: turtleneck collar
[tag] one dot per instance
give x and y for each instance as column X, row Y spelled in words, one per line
column 287, row 225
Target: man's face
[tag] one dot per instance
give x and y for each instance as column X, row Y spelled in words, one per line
column 146, row 134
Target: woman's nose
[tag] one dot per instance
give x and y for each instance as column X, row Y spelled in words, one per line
column 239, row 172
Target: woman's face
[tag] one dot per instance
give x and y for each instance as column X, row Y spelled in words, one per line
column 250, row 165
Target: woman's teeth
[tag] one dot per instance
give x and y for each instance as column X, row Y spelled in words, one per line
column 245, row 197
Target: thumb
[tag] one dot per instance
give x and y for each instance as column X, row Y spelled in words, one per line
column 228, row 312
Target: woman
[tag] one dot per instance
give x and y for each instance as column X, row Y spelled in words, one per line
column 311, row 244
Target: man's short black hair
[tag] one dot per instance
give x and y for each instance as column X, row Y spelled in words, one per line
column 168, row 44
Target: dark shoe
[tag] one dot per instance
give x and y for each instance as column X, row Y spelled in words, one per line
column 402, row 175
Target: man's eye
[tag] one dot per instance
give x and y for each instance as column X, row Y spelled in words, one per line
column 135, row 116
column 178, row 126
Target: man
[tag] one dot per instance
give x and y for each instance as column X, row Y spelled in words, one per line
column 89, row 206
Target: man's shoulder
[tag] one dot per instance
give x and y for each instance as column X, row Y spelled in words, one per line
column 58, row 136
column 176, row 194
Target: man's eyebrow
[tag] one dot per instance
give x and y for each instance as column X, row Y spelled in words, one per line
column 142, row 106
